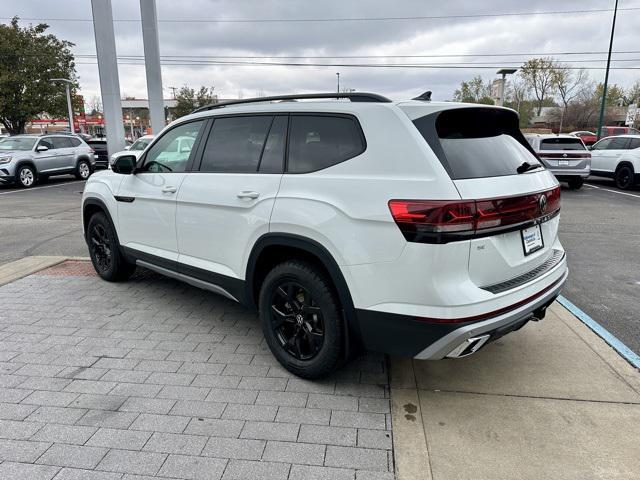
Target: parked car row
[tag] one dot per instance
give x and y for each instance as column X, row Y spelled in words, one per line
column 27, row 159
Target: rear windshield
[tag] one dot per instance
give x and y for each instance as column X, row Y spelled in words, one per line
column 476, row 142
column 561, row 144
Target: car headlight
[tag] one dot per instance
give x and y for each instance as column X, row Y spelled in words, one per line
column 4, row 160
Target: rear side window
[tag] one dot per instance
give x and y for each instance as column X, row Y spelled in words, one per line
column 61, row 142
column 476, row 142
column 75, row 142
column 634, row 143
column 561, row 144
column 320, row 141
column 235, row 144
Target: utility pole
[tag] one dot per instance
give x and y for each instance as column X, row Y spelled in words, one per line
column 338, row 75
column 606, row 75
column 173, row 92
column 149, row 17
column 69, row 104
column 108, row 72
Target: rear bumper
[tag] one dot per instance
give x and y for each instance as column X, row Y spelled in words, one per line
column 405, row 335
column 562, row 173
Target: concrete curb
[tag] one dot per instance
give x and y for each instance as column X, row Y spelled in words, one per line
column 26, row 266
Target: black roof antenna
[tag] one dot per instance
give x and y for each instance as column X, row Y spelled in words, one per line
column 425, row 97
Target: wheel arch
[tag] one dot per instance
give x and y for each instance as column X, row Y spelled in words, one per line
column 625, row 163
column 91, row 206
column 273, row 248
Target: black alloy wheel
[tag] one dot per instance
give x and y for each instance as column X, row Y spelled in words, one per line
column 624, row 177
column 297, row 321
column 101, row 248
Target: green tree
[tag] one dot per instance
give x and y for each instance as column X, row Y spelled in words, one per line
column 539, row 73
column 474, row 91
column 633, row 93
column 188, row 99
column 29, row 59
column 615, row 95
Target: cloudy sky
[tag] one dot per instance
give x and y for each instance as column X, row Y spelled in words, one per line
column 199, row 40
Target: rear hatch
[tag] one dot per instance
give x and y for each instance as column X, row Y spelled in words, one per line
column 511, row 200
column 563, row 153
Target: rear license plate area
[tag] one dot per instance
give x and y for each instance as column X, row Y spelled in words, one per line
column 532, row 240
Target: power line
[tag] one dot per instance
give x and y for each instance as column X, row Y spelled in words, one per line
column 469, row 66
column 335, row 19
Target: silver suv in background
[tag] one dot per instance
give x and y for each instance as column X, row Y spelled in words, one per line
column 26, row 159
column 565, row 155
column 136, row 149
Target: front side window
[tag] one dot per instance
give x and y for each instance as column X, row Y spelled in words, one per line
column 235, row 144
column 46, row 142
column 618, row 143
column 602, row 144
column 321, row 141
column 171, row 153
column 634, row 143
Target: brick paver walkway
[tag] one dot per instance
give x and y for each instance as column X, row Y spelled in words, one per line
column 154, row 378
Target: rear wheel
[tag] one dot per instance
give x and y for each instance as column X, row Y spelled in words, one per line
column 301, row 319
column 104, row 250
column 26, row 176
column 576, row 183
column 83, row 170
column 624, row 177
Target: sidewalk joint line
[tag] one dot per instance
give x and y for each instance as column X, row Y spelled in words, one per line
column 533, row 397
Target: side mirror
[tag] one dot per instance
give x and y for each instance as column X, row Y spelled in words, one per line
column 127, row 147
column 41, row 148
column 125, row 165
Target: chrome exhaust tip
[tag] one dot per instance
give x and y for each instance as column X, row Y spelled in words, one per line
column 468, row 347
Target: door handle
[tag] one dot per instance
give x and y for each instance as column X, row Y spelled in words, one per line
column 169, row 189
column 248, row 194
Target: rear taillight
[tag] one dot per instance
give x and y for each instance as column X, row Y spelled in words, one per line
column 443, row 221
column 92, row 150
column 564, row 156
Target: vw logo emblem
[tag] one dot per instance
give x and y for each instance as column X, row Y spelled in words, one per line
column 299, row 319
column 542, row 203
column 564, row 155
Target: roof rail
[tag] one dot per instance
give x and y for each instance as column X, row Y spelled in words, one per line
column 354, row 97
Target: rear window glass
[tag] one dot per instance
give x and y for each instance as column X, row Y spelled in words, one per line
column 476, row 142
column 561, row 144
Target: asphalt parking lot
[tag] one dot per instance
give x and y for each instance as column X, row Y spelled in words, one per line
column 600, row 229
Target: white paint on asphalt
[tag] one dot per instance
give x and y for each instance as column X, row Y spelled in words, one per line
column 39, row 188
column 612, row 191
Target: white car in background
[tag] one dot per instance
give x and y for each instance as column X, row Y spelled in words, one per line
column 135, row 149
column 618, row 158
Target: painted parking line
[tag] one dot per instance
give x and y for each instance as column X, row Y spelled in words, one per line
column 612, row 191
column 628, row 354
column 39, row 188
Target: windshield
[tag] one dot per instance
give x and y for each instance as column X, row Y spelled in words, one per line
column 140, row 144
column 561, row 144
column 17, row 143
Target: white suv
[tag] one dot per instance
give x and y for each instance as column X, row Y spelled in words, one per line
column 413, row 228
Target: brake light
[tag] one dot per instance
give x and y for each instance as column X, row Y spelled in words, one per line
column 565, row 156
column 442, row 221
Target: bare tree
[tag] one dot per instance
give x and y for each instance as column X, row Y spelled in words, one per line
column 568, row 85
column 539, row 74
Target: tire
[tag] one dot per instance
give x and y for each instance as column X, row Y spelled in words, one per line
column 26, row 176
column 576, row 183
column 624, row 177
column 104, row 250
column 301, row 319
column 83, row 170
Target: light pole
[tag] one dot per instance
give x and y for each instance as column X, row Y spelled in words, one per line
column 69, row 106
column 606, row 75
column 504, row 72
column 338, row 75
